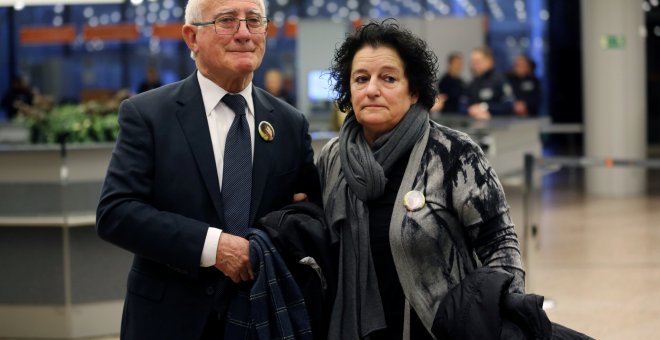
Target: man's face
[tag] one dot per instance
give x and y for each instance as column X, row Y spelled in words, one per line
column 480, row 63
column 228, row 56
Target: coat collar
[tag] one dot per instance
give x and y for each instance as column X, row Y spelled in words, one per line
column 192, row 118
column 263, row 150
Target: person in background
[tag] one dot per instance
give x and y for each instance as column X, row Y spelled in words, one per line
column 190, row 174
column 274, row 84
column 417, row 205
column 151, row 81
column 451, row 87
column 19, row 93
column 488, row 94
column 526, row 87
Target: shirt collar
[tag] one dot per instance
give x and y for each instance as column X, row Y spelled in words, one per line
column 212, row 94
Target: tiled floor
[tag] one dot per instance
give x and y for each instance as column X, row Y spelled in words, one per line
column 597, row 259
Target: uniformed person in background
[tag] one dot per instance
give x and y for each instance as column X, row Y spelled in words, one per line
column 451, row 87
column 488, row 94
column 526, row 87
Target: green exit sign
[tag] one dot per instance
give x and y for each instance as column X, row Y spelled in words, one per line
column 613, row 42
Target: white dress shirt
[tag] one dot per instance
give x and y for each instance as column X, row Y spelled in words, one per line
column 220, row 117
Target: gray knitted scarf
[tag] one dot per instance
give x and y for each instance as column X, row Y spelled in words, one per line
column 358, row 310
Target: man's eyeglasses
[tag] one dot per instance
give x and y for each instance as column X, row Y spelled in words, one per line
column 230, row 25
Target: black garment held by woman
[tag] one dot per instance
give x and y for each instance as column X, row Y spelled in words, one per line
column 380, row 213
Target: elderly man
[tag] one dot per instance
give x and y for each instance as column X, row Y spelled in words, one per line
column 190, row 173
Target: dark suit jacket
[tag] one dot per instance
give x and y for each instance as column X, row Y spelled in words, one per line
column 161, row 193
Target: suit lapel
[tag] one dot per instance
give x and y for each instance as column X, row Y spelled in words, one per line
column 196, row 130
column 263, row 150
column 195, row 127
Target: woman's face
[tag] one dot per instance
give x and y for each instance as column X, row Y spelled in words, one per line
column 521, row 67
column 379, row 90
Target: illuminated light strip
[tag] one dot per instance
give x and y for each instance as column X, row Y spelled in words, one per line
column 173, row 30
column 47, row 35
column 11, row 3
column 118, row 32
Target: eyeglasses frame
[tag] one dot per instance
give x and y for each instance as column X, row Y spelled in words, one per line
column 238, row 27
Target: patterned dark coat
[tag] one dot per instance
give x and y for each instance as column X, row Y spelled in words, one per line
column 464, row 224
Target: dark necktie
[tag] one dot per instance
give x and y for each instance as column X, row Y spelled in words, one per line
column 237, row 169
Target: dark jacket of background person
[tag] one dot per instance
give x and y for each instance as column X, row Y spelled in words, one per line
column 19, row 92
column 150, row 82
column 161, row 194
column 528, row 90
column 454, row 89
column 299, row 232
column 146, row 86
column 492, row 89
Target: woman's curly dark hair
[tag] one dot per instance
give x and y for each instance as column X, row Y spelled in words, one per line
column 419, row 62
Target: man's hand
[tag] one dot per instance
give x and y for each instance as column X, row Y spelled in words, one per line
column 233, row 257
column 479, row 111
column 520, row 108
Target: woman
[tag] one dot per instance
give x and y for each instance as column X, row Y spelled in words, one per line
column 416, row 205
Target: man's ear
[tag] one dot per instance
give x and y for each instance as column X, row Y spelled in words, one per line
column 189, row 34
